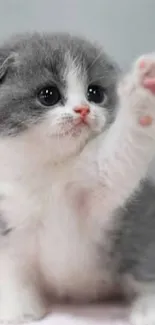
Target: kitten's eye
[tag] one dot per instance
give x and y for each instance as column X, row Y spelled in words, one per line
column 49, row 96
column 96, row 94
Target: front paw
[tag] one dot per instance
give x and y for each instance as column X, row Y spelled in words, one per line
column 143, row 311
column 18, row 313
column 137, row 92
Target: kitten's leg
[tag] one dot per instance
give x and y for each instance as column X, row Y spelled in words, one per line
column 20, row 299
column 129, row 148
column 143, row 306
column 143, row 311
column 130, row 143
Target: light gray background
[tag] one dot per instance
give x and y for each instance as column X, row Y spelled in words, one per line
column 126, row 28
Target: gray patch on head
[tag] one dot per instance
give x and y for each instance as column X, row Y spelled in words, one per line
column 40, row 61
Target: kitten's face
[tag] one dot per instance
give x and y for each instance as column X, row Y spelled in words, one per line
column 57, row 89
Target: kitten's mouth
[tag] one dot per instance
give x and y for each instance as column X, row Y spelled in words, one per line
column 81, row 122
column 76, row 128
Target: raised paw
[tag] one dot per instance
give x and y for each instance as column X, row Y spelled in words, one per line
column 137, row 91
column 146, row 69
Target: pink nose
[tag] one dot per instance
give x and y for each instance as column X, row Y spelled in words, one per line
column 82, row 110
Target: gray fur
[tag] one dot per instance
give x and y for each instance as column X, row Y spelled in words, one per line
column 135, row 239
column 40, row 60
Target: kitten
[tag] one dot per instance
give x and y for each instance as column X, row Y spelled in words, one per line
column 70, row 162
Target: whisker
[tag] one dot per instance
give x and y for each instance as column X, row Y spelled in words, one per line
column 97, row 57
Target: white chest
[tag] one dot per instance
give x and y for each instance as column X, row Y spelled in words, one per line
column 68, row 255
column 57, row 214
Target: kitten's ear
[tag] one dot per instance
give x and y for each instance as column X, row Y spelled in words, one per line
column 7, row 62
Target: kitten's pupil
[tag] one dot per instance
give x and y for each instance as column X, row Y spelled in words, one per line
column 96, row 94
column 49, row 96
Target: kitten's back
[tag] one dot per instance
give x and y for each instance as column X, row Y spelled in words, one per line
column 136, row 239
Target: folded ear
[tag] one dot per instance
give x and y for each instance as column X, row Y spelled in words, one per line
column 7, row 61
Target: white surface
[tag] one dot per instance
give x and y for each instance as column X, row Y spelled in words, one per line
column 92, row 315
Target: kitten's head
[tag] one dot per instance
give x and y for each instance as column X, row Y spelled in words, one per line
column 56, row 90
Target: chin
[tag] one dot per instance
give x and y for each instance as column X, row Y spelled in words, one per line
column 70, row 140
column 71, row 143
column 57, row 144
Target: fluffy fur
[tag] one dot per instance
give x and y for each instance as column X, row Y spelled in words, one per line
column 64, row 184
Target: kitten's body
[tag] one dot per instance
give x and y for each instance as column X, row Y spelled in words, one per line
column 67, row 256
column 63, row 178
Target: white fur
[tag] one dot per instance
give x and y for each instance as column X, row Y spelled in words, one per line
column 142, row 308
column 60, row 184
column 143, row 311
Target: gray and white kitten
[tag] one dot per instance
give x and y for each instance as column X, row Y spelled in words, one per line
column 69, row 164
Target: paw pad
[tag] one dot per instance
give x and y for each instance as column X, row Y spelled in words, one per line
column 142, row 64
column 149, row 83
column 145, row 120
